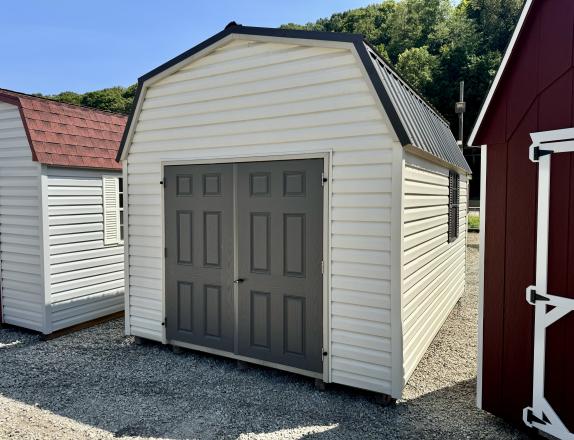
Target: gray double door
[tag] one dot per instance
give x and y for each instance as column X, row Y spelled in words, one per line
column 244, row 247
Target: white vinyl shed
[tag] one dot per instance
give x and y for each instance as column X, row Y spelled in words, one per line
column 61, row 249
column 292, row 202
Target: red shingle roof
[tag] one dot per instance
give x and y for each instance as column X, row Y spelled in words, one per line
column 69, row 135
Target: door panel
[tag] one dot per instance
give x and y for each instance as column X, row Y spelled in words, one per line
column 280, row 248
column 199, row 256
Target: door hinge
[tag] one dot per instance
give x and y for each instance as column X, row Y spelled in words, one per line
column 532, row 296
column 165, row 252
column 164, row 323
column 530, row 417
column 323, row 179
column 538, row 153
column 322, row 267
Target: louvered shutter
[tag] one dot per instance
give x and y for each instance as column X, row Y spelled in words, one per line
column 453, row 208
column 111, row 210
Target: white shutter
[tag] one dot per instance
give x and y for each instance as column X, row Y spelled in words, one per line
column 111, row 210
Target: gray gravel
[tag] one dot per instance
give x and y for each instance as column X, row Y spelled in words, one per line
column 98, row 384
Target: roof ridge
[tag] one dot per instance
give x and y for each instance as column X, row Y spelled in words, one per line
column 84, row 107
column 406, row 83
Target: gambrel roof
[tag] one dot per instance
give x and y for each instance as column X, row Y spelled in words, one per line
column 415, row 122
column 68, row 135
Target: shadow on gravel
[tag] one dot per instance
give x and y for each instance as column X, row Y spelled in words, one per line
column 100, row 378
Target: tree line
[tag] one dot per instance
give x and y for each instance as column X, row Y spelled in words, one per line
column 433, row 44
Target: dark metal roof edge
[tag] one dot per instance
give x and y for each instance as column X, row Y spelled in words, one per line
column 237, row 29
column 382, row 93
column 407, row 84
column 258, row 31
column 129, row 121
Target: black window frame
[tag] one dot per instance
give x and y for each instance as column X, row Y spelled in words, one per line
column 453, row 205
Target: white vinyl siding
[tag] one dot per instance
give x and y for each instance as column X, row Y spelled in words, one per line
column 86, row 276
column 20, row 243
column 259, row 99
column 434, row 269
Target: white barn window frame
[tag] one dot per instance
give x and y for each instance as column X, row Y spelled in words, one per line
column 453, row 205
column 113, row 210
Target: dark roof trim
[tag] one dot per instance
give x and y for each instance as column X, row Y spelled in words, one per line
column 406, row 83
column 130, row 119
column 356, row 39
column 382, row 93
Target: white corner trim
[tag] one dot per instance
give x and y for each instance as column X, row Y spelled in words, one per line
column 500, row 71
column 127, row 324
column 482, row 234
column 45, row 249
column 397, row 269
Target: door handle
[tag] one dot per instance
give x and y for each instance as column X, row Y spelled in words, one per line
column 238, row 280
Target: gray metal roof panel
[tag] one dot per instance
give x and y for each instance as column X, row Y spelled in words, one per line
column 426, row 129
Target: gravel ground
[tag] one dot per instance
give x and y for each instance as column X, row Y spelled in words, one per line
column 97, row 383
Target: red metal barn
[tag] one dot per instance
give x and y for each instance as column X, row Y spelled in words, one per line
column 527, row 225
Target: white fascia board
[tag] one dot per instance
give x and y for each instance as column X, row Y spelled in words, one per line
column 500, row 71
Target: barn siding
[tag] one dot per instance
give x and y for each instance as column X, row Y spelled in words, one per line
column 434, row 270
column 535, row 93
column 253, row 98
column 86, row 277
column 20, row 244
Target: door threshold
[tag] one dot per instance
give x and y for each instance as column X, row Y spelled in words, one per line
column 248, row 359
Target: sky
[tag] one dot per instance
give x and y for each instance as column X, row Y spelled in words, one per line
column 58, row 45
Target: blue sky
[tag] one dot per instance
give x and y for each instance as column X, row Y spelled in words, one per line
column 57, row 45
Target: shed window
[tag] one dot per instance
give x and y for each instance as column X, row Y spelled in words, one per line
column 113, row 201
column 453, row 205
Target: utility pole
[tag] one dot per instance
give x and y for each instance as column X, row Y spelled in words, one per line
column 459, row 109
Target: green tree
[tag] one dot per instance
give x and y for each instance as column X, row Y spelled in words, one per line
column 495, row 19
column 69, row 97
column 111, row 99
column 411, row 22
column 417, row 66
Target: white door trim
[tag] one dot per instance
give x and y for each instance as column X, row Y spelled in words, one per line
column 481, row 249
column 541, row 415
column 326, row 155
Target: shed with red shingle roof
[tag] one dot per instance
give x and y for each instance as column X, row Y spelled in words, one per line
column 61, row 243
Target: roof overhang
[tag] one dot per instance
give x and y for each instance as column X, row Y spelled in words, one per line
column 494, row 86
